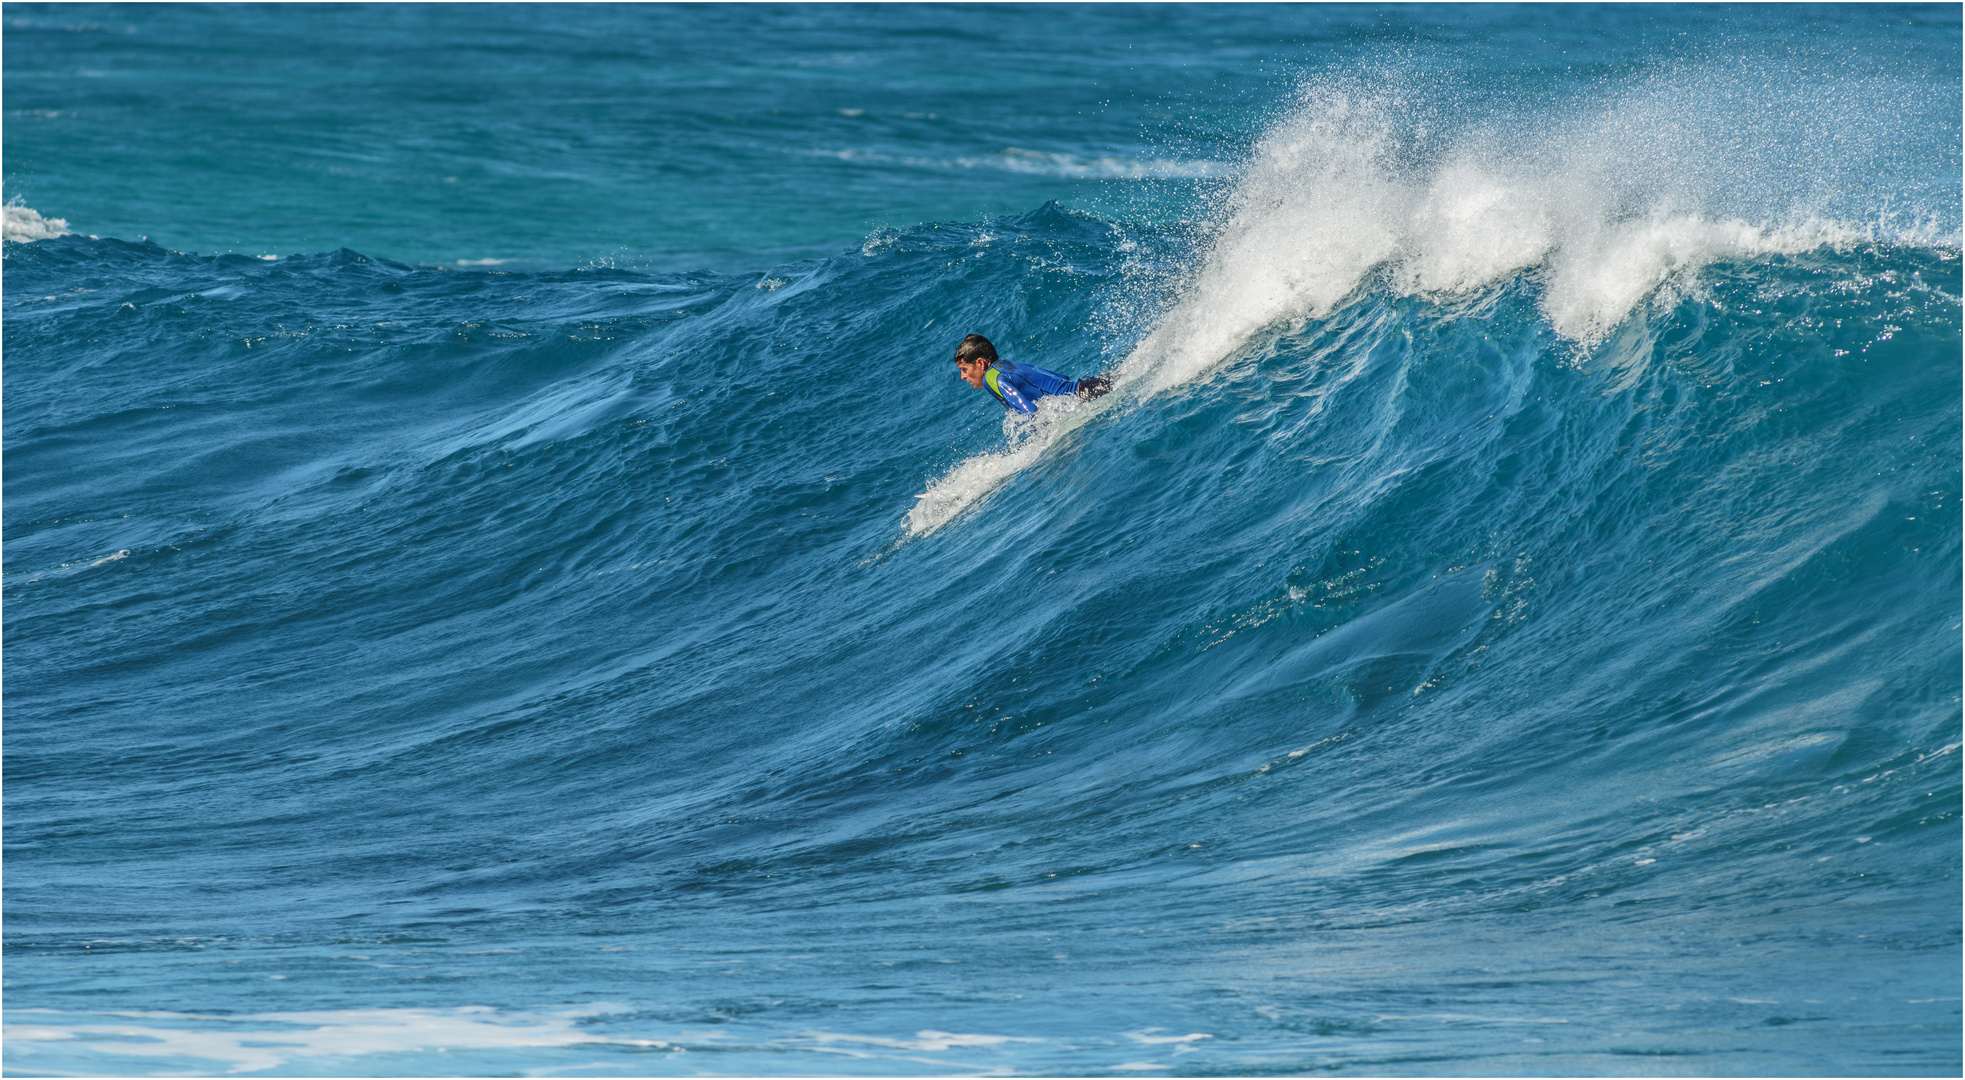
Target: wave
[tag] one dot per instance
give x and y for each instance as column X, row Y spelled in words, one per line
column 1403, row 626
column 1600, row 207
column 406, row 636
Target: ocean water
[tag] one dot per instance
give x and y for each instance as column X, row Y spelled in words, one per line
column 500, row 577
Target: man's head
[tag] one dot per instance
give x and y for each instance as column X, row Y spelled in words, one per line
column 974, row 354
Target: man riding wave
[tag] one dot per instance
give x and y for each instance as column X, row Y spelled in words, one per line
column 1018, row 386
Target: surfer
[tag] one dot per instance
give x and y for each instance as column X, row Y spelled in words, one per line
column 1018, row 386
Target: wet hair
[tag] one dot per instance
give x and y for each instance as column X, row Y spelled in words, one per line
column 975, row 347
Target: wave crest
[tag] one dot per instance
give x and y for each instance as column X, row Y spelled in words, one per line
column 1602, row 202
column 24, row 225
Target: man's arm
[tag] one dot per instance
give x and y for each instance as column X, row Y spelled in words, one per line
column 1039, row 382
column 1014, row 396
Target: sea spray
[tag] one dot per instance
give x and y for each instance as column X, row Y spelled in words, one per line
column 24, row 224
column 1599, row 203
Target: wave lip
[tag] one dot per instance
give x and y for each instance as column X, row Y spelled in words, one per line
column 24, row 224
column 1603, row 204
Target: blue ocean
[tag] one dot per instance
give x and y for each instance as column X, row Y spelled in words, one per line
column 501, row 576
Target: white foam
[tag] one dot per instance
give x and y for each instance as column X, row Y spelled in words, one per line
column 926, row 1041
column 1016, row 159
column 326, row 1042
column 1151, row 1036
column 25, row 225
column 255, row 1042
column 1477, row 228
column 1044, row 163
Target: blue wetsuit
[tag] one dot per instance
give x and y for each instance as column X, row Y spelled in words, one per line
column 1018, row 386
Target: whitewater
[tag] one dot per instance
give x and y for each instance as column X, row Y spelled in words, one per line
column 473, row 613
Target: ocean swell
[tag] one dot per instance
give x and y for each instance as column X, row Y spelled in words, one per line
column 1505, row 620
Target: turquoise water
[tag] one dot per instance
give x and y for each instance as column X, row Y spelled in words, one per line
column 500, row 576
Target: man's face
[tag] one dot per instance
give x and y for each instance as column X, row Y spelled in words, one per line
column 971, row 371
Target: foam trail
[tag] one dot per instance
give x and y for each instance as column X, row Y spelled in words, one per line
column 975, row 477
column 1045, row 163
column 285, row 1040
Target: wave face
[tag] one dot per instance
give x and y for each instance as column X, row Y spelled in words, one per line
column 1505, row 620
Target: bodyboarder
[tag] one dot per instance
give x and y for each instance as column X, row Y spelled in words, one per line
column 1018, row 386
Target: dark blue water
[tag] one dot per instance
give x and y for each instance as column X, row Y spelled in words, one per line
column 500, row 576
